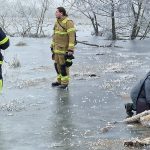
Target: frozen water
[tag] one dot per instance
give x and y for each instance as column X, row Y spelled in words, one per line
column 35, row 116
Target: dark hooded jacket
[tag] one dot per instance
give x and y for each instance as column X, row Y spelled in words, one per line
column 141, row 91
column 4, row 40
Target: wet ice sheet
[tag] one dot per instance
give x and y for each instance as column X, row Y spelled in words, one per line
column 36, row 116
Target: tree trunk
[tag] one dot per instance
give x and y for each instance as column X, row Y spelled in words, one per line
column 113, row 22
column 42, row 17
column 94, row 23
column 135, row 29
column 146, row 31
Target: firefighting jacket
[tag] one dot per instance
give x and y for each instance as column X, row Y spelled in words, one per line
column 4, row 43
column 63, row 36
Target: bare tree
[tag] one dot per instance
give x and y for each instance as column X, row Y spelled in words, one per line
column 85, row 7
column 139, row 7
column 25, row 15
column 136, row 14
column 95, row 10
column 147, row 30
column 115, row 11
column 28, row 17
column 4, row 16
column 113, row 20
column 40, row 20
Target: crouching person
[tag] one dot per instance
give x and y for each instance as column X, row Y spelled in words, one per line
column 4, row 43
column 140, row 96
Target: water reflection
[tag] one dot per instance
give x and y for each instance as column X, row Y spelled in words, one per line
column 137, row 130
column 2, row 145
column 63, row 127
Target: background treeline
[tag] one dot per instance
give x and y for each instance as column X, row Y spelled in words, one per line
column 114, row 19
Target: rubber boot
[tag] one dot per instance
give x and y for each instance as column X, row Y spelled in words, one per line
column 55, row 84
column 63, row 86
column 129, row 109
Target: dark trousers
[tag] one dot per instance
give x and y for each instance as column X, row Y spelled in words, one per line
column 1, row 72
column 141, row 105
column 1, row 59
column 1, row 78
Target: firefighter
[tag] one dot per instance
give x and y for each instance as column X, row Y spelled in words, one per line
column 62, row 47
column 140, row 96
column 4, row 43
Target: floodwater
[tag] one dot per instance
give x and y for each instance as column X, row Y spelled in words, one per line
column 35, row 116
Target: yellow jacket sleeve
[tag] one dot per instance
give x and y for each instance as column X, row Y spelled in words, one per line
column 71, row 34
column 52, row 41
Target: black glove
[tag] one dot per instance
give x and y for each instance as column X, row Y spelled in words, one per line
column 53, row 56
column 69, row 56
column 70, row 52
column 1, row 57
column 52, row 49
column 68, row 59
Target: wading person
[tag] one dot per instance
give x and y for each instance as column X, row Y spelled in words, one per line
column 140, row 96
column 62, row 47
column 4, row 43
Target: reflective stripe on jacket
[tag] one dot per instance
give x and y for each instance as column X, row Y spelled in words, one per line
column 4, row 41
column 64, row 35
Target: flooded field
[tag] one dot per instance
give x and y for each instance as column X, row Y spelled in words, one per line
column 35, row 116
